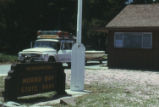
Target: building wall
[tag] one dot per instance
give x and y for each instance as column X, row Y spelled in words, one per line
column 133, row 58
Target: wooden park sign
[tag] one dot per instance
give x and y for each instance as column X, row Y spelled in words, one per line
column 34, row 78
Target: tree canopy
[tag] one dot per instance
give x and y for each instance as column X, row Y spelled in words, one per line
column 21, row 19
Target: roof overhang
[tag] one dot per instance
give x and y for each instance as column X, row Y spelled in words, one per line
column 133, row 28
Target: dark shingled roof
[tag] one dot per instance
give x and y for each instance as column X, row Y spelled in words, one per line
column 143, row 15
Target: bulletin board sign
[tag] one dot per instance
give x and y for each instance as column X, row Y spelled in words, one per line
column 28, row 79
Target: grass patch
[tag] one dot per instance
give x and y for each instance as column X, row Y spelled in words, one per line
column 4, row 58
column 119, row 95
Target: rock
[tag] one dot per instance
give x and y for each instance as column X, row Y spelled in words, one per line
column 12, row 104
column 68, row 101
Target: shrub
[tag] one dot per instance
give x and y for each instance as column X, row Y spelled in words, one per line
column 4, row 58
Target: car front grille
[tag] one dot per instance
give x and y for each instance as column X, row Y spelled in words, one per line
column 34, row 56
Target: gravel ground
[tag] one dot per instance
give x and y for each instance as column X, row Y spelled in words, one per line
column 117, row 75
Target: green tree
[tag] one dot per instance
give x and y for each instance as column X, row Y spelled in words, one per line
column 20, row 19
column 96, row 14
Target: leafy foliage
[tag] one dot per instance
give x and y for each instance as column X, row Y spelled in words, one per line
column 4, row 58
column 20, row 20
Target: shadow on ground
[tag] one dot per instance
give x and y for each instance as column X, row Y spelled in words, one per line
column 32, row 99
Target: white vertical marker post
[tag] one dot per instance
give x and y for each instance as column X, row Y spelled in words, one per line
column 78, row 56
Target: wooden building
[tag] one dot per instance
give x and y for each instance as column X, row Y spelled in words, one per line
column 133, row 37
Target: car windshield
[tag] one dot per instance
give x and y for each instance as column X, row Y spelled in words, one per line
column 48, row 44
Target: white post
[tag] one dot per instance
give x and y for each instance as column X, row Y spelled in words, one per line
column 79, row 22
column 78, row 56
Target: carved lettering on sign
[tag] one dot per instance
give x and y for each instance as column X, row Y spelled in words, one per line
column 34, row 68
column 28, row 80
column 47, row 86
column 31, row 84
column 25, row 89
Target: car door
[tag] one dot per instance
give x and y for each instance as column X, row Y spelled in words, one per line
column 64, row 54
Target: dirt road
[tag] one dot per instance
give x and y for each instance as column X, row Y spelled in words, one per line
column 106, row 75
column 99, row 74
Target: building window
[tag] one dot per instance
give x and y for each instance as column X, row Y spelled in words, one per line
column 133, row 40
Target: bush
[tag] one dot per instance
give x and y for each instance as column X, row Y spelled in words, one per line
column 4, row 58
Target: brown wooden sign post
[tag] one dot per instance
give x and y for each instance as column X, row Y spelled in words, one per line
column 28, row 79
